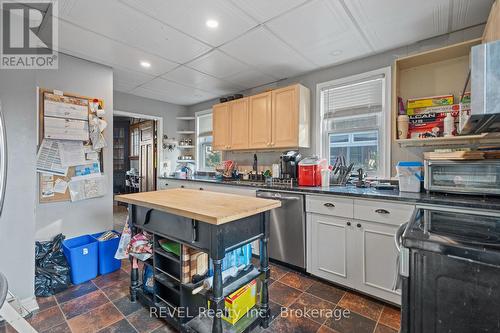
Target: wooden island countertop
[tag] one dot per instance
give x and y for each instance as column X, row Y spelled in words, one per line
column 210, row 207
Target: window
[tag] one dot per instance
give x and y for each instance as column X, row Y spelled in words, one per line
column 354, row 115
column 207, row 159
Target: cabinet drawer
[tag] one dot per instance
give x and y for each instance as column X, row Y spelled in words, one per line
column 382, row 211
column 330, row 205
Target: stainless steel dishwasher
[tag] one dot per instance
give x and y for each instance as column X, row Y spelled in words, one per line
column 287, row 241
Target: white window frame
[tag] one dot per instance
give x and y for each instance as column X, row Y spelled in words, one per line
column 198, row 158
column 322, row 143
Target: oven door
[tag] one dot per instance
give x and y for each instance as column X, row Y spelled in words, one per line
column 448, row 294
column 466, row 177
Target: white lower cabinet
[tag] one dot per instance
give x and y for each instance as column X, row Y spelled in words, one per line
column 356, row 253
column 328, row 247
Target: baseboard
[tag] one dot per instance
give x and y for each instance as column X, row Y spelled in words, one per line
column 30, row 304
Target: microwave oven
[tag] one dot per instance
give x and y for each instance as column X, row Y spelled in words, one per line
column 480, row 177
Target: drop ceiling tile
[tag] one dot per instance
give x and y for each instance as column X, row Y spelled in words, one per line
column 131, row 77
column 88, row 45
column 120, row 22
column 218, row 64
column 261, row 49
column 174, row 92
column 190, row 16
column 326, row 34
column 250, row 79
column 467, row 13
column 192, row 78
column 123, row 86
column 263, row 10
column 400, row 22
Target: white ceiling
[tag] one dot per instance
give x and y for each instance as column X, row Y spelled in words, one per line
column 256, row 42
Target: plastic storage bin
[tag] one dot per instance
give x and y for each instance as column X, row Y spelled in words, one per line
column 107, row 250
column 82, row 255
column 410, row 175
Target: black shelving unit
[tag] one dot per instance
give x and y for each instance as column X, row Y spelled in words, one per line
column 172, row 298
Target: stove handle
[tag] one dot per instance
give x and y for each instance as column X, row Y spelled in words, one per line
column 399, row 235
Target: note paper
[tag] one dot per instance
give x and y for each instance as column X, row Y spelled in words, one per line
column 71, row 153
column 48, row 159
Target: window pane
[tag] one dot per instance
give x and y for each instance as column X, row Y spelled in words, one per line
column 362, row 150
column 339, row 138
column 368, row 136
column 336, row 152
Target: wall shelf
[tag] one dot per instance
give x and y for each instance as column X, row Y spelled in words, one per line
column 436, row 72
column 185, row 118
column 185, row 132
column 185, row 147
column 493, row 138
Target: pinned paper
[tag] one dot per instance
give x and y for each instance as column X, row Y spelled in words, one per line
column 88, row 169
column 60, row 186
column 71, row 153
column 49, row 160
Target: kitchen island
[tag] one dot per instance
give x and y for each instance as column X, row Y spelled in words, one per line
column 214, row 223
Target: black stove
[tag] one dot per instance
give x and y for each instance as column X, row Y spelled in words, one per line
column 452, row 282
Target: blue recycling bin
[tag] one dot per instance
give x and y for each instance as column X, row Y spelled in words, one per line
column 82, row 255
column 107, row 250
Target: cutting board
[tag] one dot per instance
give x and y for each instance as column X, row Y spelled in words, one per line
column 455, row 155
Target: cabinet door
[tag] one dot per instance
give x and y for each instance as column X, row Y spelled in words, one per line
column 376, row 256
column 492, row 30
column 221, row 128
column 239, row 124
column 285, row 115
column 327, row 255
column 260, row 120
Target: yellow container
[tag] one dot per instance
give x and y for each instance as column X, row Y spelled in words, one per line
column 240, row 302
column 425, row 102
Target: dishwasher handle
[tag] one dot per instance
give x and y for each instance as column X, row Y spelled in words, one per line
column 276, row 196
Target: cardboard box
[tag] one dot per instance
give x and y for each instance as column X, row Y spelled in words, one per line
column 240, row 302
column 425, row 102
column 438, row 109
column 426, row 125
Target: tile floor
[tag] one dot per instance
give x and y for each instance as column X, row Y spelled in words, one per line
column 102, row 305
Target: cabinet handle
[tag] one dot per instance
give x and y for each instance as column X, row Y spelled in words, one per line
column 348, row 224
column 329, row 205
column 166, row 184
column 382, row 211
column 358, row 225
column 201, row 188
column 182, row 186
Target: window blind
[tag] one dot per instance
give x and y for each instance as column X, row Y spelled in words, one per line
column 358, row 98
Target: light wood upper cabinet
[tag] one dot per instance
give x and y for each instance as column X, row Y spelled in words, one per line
column 285, row 117
column 221, row 128
column 273, row 120
column 492, row 30
column 260, row 120
column 239, row 124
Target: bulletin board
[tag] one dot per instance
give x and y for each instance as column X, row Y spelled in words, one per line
column 76, row 120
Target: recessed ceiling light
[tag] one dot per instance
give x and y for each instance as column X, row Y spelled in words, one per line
column 145, row 64
column 212, row 24
column 336, row 53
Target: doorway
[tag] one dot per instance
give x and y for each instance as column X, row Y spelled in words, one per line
column 135, row 153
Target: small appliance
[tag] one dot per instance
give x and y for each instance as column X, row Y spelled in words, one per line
column 481, row 177
column 289, row 164
column 310, row 171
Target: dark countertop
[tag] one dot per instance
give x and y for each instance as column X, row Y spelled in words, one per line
column 454, row 200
